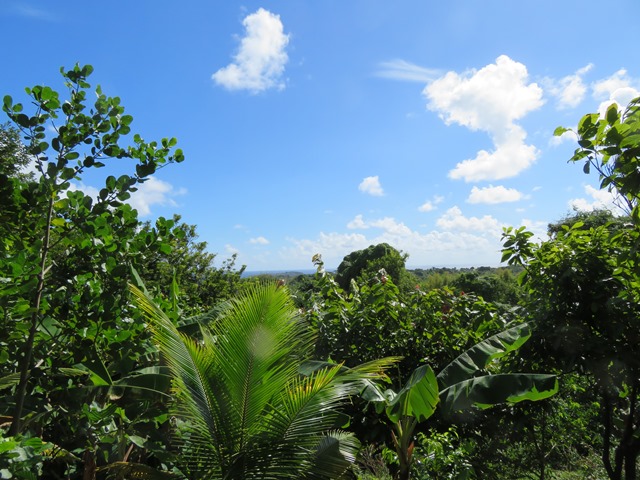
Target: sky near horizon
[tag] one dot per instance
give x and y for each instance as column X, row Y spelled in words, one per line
column 327, row 126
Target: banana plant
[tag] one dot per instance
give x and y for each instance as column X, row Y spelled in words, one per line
column 463, row 384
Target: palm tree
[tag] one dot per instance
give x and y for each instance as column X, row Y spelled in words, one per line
column 246, row 410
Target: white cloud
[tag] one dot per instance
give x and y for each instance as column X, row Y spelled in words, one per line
column 538, row 228
column 462, row 246
column 371, row 185
column 490, row 99
column 332, row 246
column 569, row 90
column 259, row 241
column 599, row 199
column 261, row 58
column 427, row 206
column 86, row 189
column 508, row 159
column 453, row 219
column 357, row 223
column 568, row 136
column 493, row 195
column 154, row 192
column 403, row 70
column 430, row 205
column 391, row 227
column 388, row 224
column 603, row 89
column 618, row 88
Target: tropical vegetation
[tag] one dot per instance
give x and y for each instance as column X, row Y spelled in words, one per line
column 126, row 353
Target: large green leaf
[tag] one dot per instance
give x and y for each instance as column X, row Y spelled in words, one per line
column 418, row 398
column 334, row 454
column 155, row 379
column 489, row 390
column 466, row 383
column 479, row 356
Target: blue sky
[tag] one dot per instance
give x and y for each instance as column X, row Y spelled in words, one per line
column 327, row 126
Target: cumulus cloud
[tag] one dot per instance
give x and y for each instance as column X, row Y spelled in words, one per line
column 492, row 195
column 463, row 246
column 491, row 99
column 259, row 241
column 508, row 159
column 154, row 192
column 454, row 220
column 569, row 90
column 388, row 224
column 357, row 223
column 618, row 88
column 427, row 206
column 597, row 200
column 407, row 71
column 332, row 246
column 603, row 89
column 261, row 58
column 430, row 205
column 371, row 185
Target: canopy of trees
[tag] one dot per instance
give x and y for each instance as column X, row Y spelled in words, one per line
column 126, row 353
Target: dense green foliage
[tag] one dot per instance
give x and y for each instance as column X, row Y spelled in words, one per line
column 583, row 288
column 210, row 375
column 69, row 341
column 365, row 265
column 187, row 262
column 248, row 410
column 66, row 258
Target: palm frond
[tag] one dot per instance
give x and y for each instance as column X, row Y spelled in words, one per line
column 189, row 364
column 256, row 343
column 247, row 412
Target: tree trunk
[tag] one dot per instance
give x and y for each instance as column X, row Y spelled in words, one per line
column 404, row 445
column 607, row 412
column 89, row 458
column 25, row 366
column 630, row 443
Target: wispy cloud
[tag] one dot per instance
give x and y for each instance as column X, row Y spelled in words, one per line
column 570, row 90
column 24, row 10
column 259, row 241
column 371, row 186
column 261, row 58
column 402, row 70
